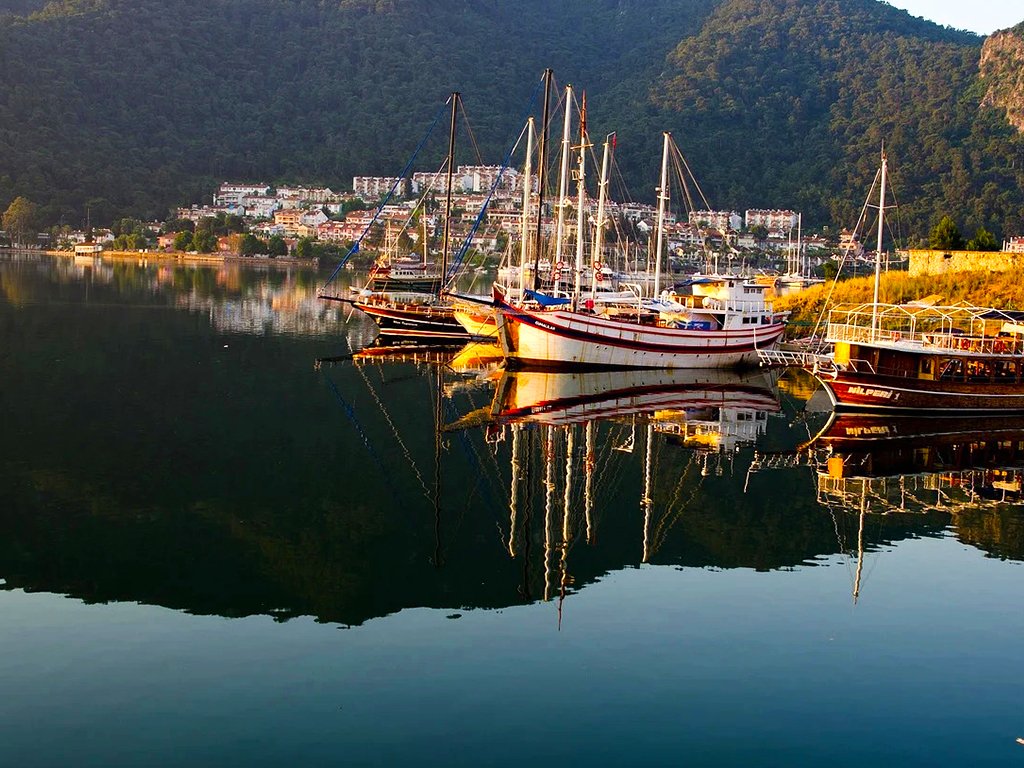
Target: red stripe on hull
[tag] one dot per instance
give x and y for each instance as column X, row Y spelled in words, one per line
column 886, row 393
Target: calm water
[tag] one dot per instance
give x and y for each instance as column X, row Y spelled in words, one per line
column 215, row 552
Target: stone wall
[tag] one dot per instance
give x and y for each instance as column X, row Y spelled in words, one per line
column 943, row 262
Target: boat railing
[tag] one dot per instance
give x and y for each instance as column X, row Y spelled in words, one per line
column 951, row 341
column 860, row 365
column 787, row 358
column 983, row 345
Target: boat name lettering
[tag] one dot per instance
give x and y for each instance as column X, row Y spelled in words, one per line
column 861, row 431
column 871, row 392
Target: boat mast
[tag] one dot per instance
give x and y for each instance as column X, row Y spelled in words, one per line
column 581, row 197
column 423, row 215
column 647, row 500
column 878, row 252
column 448, row 197
column 588, row 495
column 542, row 176
column 602, row 194
column 563, row 184
column 524, row 223
column 662, row 202
column 800, row 246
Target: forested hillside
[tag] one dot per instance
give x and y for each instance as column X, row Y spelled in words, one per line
column 138, row 105
column 792, row 99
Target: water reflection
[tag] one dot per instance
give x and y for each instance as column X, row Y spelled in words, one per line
column 226, row 476
column 969, row 470
column 238, row 297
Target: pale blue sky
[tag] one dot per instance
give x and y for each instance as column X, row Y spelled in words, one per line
column 981, row 16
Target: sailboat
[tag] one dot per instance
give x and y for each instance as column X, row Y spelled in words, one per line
column 798, row 276
column 921, row 356
column 425, row 319
column 721, row 325
column 403, row 275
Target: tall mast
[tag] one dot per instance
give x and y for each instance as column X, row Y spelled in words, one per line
column 800, row 245
column 602, row 195
column 542, row 177
column 581, row 197
column 563, row 183
column 878, row 252
column 448, row 197
column 524, row 223
column 662, row 201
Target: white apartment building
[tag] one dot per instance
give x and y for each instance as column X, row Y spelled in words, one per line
column 375, row 187
column 260, row 206
column 726, row 221
column 231, row 194
column 309, row 195
column 772, row 219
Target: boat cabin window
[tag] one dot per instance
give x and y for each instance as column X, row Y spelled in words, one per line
column 979, row 370
column 927, row 366
column 951, row 369
column 1006, row 370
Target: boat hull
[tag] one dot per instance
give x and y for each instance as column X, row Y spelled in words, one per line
column 479, row 324
column 574, row 340
column 426, row 325
column 853, row 391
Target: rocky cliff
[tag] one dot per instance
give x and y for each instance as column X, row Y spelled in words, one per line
column 1002, row 73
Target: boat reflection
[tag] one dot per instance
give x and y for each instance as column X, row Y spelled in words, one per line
column 920, row 463
column 964, row 471
column 573, row 435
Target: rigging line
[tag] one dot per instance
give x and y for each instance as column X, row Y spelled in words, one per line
column 394, row 431
column 461, row 255
column 846, row 254
column 693, row 178
column 470, row 450
column 350, row 412
column 472, row 137
column 355, row 246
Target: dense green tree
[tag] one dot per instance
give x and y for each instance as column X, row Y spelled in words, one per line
column 126, row 226
column 183, row 241
column 983, row 240
column 276, row 246
column 304, row 249
column 251, row 245
column 177, row 225
column 204, row 241
column 945, row 236
column 21, row 219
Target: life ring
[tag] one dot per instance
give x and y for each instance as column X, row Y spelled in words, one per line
column 965, row 343
column 598, row 266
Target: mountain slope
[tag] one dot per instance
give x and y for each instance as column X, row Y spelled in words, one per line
column 145, row 103
column 137, row 105
column 825, row 83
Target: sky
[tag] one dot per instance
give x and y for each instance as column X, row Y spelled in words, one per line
column 981, row 16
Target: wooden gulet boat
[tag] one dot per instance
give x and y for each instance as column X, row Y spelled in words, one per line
column 921, row 357
column 723, row 325
column 908, row 358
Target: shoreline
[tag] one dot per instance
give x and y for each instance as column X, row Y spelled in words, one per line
column 181, row 256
